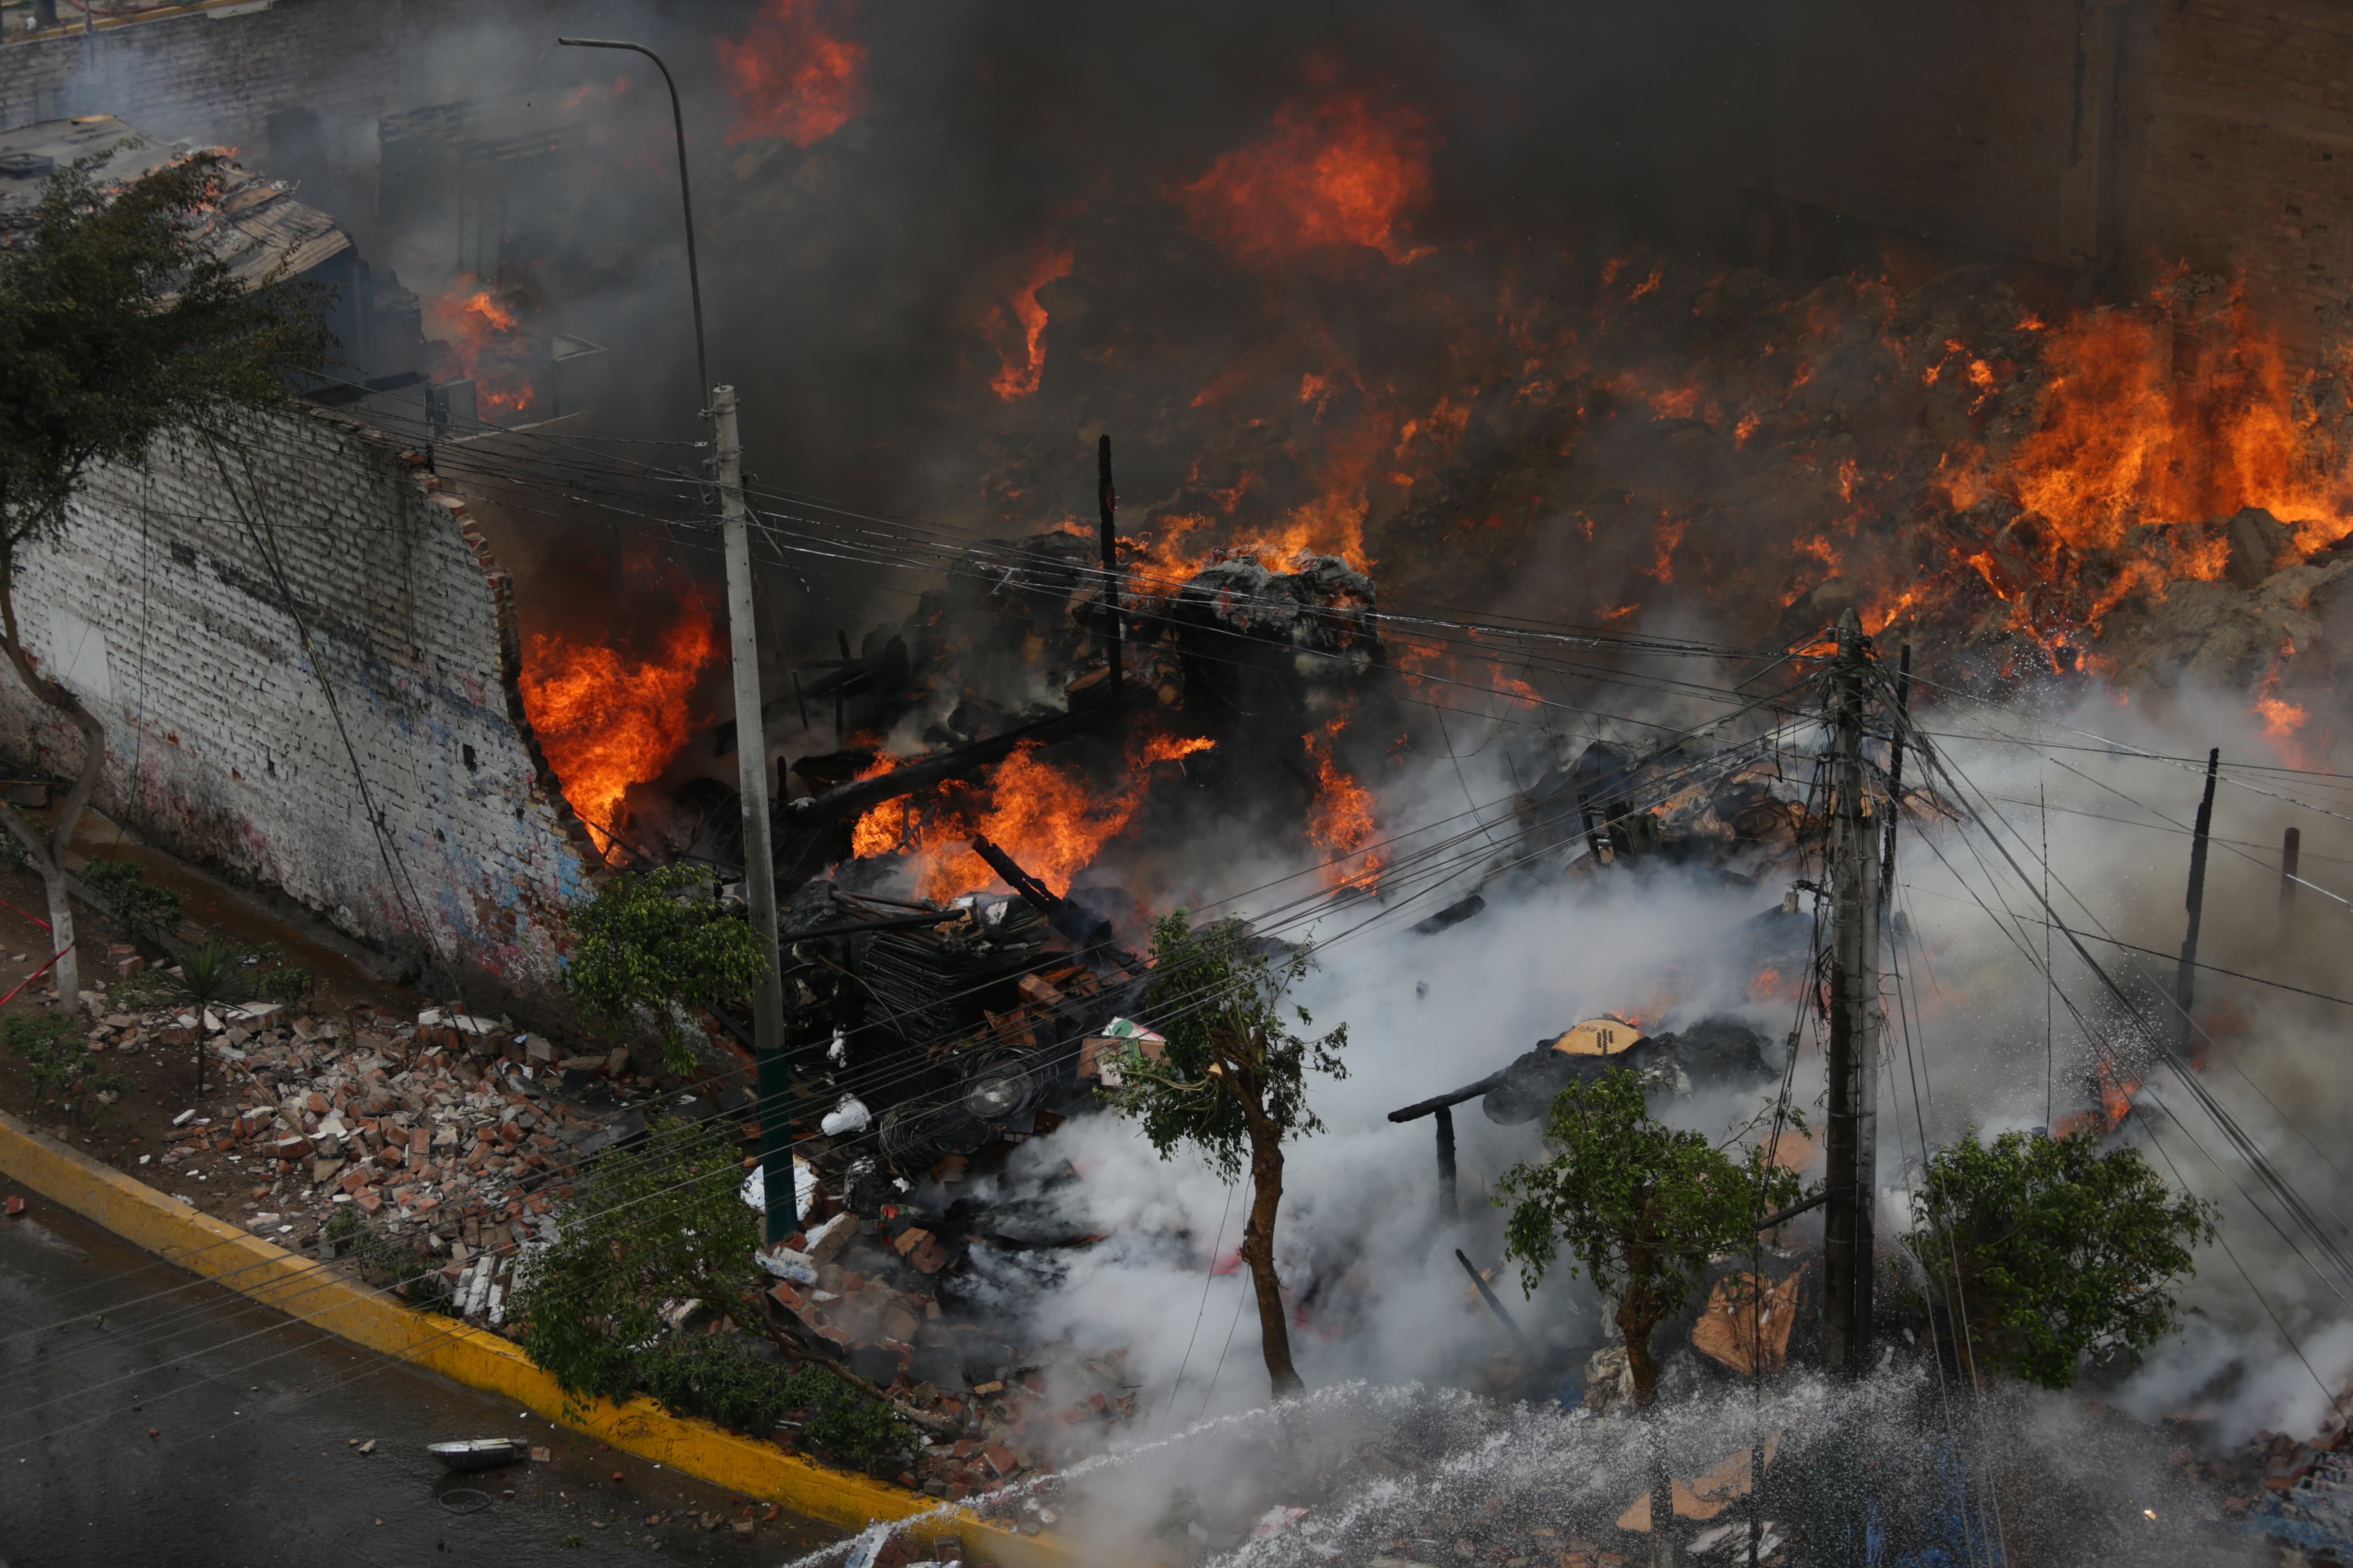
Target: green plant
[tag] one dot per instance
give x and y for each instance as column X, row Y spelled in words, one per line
column 2050, row 1250
column 1232, row 1082
column 147, row 912
column 51, row 1046
column 58, row 1062
column 645, row 1228
column 842, row 1421
column 1639, row 1206
column 711, row 1375
column 212, row 975
column 646, row 942
column 119, row 322
column 274, row 980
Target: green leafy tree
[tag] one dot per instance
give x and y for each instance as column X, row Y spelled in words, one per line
column 1640, row 1207
column 118, row 324
column 1232, row 1083
column 647, row 1228
column 2053, row 1250
column 657, row 941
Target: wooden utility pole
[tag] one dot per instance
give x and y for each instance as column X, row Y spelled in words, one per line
column 1853, row 1137
column 2291, row 851
column 1107, row 502
column 759, row 854
column 2185, row 976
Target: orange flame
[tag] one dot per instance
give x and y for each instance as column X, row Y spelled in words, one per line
column 483, row 340
column 1052, row 820
column 606, row 721
column 2130, row 433
column 1021, row 350
column 1335, row 171
column 2282, row 718
column 794, row 76
column 1341, row 818
column 2116, row 1104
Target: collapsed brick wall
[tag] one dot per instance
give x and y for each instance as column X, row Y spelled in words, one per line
column 161, row 605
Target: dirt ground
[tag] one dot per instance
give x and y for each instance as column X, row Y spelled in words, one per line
column 132, row 1130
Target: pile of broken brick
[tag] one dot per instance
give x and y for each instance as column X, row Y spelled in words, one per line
column 2297, row 1493
column 452, row 1132
column 460, row 1137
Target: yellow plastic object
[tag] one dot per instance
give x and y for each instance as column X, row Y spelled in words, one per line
column 1602, row 1037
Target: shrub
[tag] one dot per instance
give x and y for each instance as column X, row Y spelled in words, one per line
column 51, row 1047
column 147, row 912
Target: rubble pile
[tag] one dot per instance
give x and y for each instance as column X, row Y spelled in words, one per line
column 2297, row 1493
column 452, row 1133
column 885, row 1292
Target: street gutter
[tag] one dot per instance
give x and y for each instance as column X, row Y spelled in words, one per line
column 309, row 1291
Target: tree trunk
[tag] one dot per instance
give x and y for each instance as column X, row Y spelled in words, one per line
column 48, row 857
column 1636, row 1318
column 1635, row 1321
column 1258, row 1251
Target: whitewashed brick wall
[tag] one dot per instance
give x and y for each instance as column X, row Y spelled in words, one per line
column 161, row 605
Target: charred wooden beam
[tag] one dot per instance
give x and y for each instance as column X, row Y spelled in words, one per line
column 1086, row 930
column 1422, row 1108
column 1449, row 1206
column 1495, row 1305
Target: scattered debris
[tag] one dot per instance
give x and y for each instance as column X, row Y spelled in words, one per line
column 1746, row 1321
column 478, row 1453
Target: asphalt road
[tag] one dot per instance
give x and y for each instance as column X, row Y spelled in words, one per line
column 253, row 1460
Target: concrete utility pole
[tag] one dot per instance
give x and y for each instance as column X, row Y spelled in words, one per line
column 774, row 1081
column 759, row 854
column 1853, row 1136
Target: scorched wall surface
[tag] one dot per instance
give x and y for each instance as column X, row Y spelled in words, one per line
column 161, row 605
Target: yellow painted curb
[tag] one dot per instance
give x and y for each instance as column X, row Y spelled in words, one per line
column 309, row 1291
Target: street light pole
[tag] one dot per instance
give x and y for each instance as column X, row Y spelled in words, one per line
column 774, row 1085
column 685, row 196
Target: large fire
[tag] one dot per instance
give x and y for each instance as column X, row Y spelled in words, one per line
column 1052, row 820
column 795, row 75
column 1335, row 169
column 1340, row 821
column 606, row 721
column 482, row 337
column 1020, row 341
